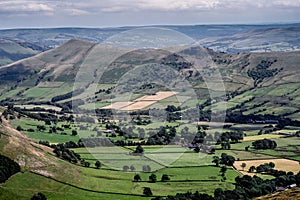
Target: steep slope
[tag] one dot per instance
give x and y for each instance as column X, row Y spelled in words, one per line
column 293, row 193
column 54, row 63
column 13, row 50
column 17, row 146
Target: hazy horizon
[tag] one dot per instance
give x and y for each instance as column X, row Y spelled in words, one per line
column 101, row 14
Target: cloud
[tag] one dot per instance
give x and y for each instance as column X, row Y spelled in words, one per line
column 76, row 7
column 25, row 6
column 75, row 12
column 170, row 5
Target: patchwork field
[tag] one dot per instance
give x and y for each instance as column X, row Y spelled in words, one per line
column 141, row 102
column 280, row 164
column 138, row 105
column 157, row 97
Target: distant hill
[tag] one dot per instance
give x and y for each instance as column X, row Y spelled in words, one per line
column 255, row 83
column 262, row 40
column 13, row 49
column 219, row 37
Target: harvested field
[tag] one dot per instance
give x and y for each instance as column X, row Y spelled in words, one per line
column 157, row 97
column 138, row 105
column 280, row 164
column 141, row 102
column 118, row 105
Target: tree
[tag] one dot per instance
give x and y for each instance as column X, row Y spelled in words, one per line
column 227, row 159
column 223, row 171
column 19, row 128
column 251, row 169
column 132, row 168
column 216, row 160
column 41, row 128
column 271, row 164
column 137, row 178
column 147, row 191
column 197, row 149
column 243, row 165
column 74, row 133
column 125, row 168
column 165, row 178
column 87, row 164
column 139, row 149
column 146, row 168
column 219, row 194
column 152, row 178
column 98, row 164
column 38, row 196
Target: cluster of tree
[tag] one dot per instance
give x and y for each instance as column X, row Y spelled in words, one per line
column 176, row 61
column 261, row 71
column 45, row 143
column 126, row 168
column 163, row 137
column 239, row 117
column 228, row 137
column 223, row 160
column 8, row 168
column 139, row 121
column 46, row 117
column 264, row 144
column 66, row 154
column 67, row 95
column 186, row 196
column 268, row 168
column 172, row 108
column 173, row 116
column 107, row 91
column 246, row 188
column 152, row 178
column 9, row 112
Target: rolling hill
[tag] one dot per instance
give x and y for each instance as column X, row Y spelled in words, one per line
column 261, row 40
column 219, row 37
column 12, row 50
column 269, row 78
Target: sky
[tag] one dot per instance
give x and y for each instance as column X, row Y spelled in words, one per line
column 112, row 13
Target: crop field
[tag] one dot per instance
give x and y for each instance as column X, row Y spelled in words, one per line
column 280, row 164
column 140, row 102
column 260, row 137
column 157, row 97
column 118, row 105
column 138, row 105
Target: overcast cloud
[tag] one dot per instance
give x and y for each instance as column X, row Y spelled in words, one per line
column 99, row 13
